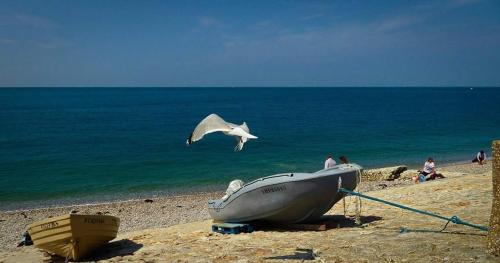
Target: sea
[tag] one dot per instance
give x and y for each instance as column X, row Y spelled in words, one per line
column 82, row 145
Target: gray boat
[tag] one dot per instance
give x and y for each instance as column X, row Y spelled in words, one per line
column 287, row 198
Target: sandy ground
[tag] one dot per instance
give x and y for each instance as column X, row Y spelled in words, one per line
column 177, row 229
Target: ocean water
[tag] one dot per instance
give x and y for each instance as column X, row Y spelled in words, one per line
column 89, row 144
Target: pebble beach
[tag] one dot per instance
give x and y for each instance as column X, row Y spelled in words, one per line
column 177, row 229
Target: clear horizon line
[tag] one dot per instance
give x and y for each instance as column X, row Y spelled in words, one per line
column 243, row 87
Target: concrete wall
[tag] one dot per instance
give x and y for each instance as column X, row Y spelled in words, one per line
column 494, row 233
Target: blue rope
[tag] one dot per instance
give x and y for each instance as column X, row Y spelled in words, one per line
column 454, row 219
column 406, row 230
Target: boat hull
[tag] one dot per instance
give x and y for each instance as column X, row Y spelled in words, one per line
column 289, row 198
column 73, row 236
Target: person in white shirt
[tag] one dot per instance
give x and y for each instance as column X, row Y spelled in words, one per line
column 329, row 163
column 430, row 169
column 480, row 158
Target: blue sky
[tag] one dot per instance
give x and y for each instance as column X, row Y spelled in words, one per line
column 250, row 43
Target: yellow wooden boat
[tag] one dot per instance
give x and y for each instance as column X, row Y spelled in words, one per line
column 73, row 236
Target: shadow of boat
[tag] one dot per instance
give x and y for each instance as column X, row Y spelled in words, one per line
column 328, row 221
column 299, row 254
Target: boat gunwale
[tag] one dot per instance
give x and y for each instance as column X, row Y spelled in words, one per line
column 62, row 217
column 48, row 220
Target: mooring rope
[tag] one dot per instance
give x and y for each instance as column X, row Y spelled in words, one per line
column 454, row 219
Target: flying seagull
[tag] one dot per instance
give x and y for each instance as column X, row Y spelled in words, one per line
column 214, row 123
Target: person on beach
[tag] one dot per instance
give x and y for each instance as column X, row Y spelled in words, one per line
column 429, row 167
column 429, row 170
column 343, row 159
column 329, row 163
column 480, row 158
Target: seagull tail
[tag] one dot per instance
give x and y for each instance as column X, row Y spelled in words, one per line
column 252, row 136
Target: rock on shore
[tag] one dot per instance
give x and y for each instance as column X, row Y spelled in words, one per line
column 384, row 174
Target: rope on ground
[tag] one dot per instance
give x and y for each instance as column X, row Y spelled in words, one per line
column 454, row 219
column 406, row 230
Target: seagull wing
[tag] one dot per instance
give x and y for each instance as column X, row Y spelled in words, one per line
column 244, row 126
column 211, row 123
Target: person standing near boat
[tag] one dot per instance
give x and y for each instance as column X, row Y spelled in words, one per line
column 329, row 163
column 480, row 158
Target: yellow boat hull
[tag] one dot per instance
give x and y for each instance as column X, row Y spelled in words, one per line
column 73, row 236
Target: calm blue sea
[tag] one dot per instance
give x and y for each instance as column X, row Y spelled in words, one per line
column 89, row 144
